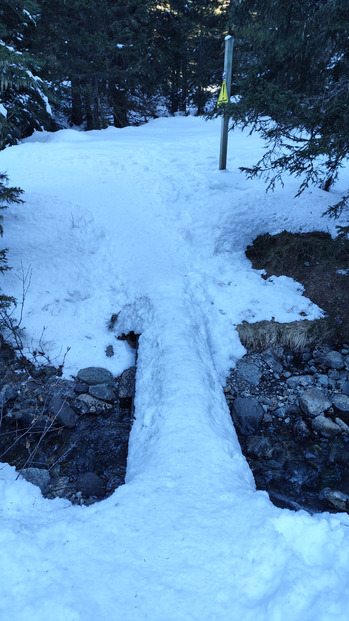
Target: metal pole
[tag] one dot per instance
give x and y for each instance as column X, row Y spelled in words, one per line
column 228, row 66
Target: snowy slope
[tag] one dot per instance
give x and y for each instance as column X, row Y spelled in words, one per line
column 140, row 222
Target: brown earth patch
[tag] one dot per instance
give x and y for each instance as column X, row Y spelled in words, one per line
column 320, row 264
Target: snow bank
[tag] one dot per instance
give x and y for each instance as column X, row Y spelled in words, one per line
column 140, row 222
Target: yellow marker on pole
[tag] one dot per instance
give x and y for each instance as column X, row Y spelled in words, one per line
column 223, row 95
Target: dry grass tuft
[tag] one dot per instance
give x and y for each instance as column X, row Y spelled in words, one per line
column 295, row 335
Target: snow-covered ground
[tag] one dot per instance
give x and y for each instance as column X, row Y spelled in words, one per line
column 140, row 222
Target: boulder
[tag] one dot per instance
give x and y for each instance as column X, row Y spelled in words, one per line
column 249, row 372
column 95, row 375
column 272, row 360
column 63, row 413
column 259, row 446
column 63, row 388
column 90, row 484
column 335, row 498
column 325, row 426
column 247, row 414
column 299, row 380
column 281, row 412
column 333, row 360
column 341, row 406
column 127, row 387
column 322, row 379
column 81, row 388
column 301, row 430
column 314, row 402
column 91, row 405
column 337, row 376
column 59, row 486
column 8, row 393
column 33, row 420
column 344, row 427
column 102, row 391
column 37, row 476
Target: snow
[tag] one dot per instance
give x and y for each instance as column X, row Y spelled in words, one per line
column 3, row 110
column 140, row 222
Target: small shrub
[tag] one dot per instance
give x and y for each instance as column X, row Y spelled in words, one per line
column 7, row 196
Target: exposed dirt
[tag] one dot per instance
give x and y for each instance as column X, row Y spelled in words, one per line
column 319, row 263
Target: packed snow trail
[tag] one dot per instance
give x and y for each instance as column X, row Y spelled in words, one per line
column 140, row 222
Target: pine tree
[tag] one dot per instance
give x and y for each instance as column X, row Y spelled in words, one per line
column 23, row 95
column 100, row 49
column 8, row 195
column 292, row 67
column 210, row 19
column 189, row 41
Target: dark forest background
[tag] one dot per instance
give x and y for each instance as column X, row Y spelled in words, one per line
column 94, row 63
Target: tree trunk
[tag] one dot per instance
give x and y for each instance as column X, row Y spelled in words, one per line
column 76, row 104
column 120, row 107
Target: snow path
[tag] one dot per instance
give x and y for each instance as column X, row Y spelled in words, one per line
column 140, row 222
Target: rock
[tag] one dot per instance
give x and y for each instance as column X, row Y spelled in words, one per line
column 345, row 388
column 90, row 484
column 37, row 476
column 95, row 375
column 293, row 410
column 270, row 403
column 109, row 351
column 272, row 360
column 60, row 387
column 267, row 417
column 313, row 402
column 337, row 375
column 339, row 453
column 127, row 386
column 81, row 388
column 33, row 420
column 299, row 380
column 341, row 406
column 325, row 426
column 259, row 446
column 59, row 486
column 301, row 429
column 37, row 372
column 283, row 501
column 91, row 405
column 281, row 412
column 63, row 413
column 322, row 379
column 102, row 391
column 247, row 414
column 8, row 393
column 333, row 360
column 336, row 499
column 314, row 455
column 248, row 371
column 344, row 427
